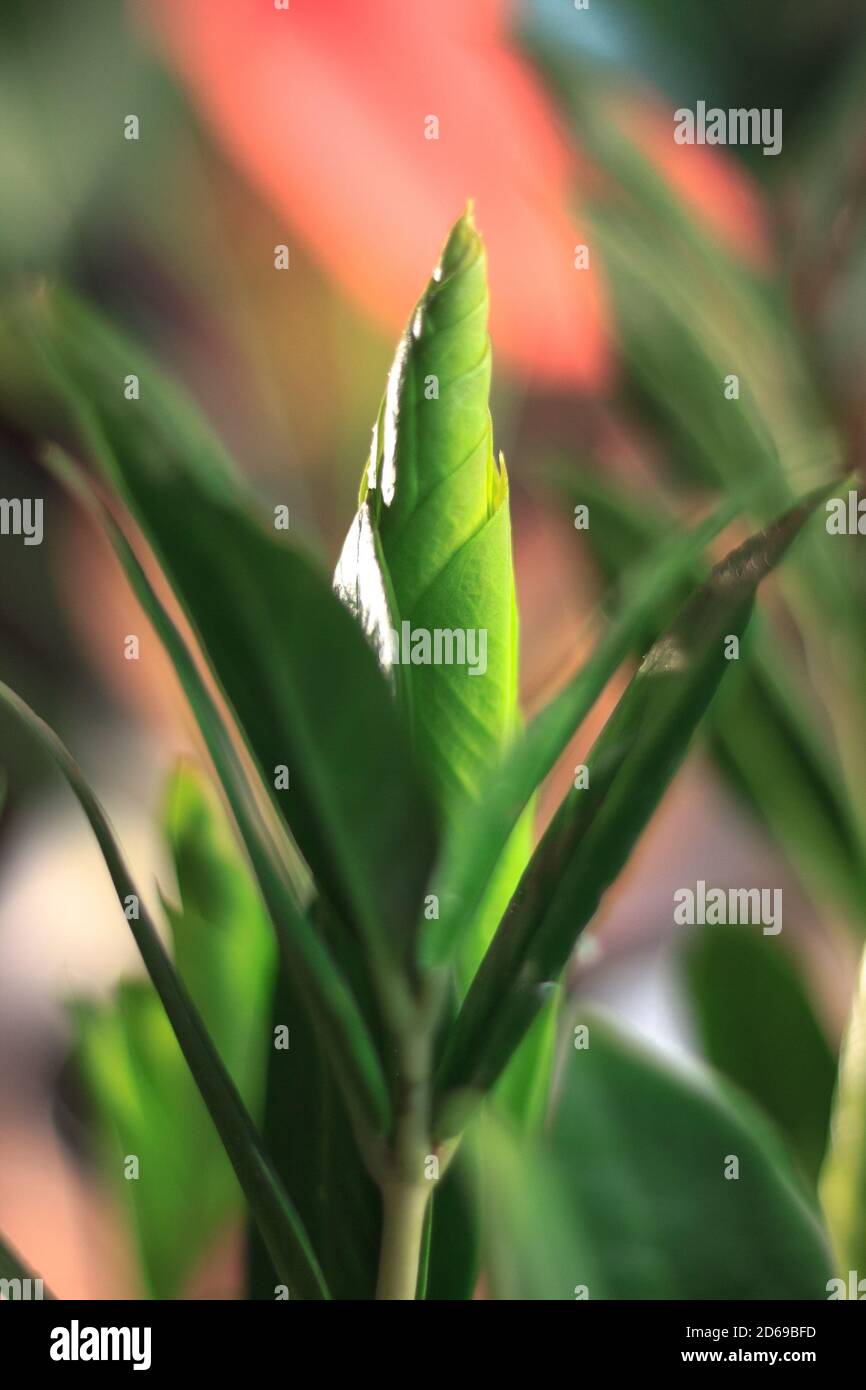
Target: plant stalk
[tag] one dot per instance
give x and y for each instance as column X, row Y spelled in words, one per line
column 405, row 1206
column 404, row 1184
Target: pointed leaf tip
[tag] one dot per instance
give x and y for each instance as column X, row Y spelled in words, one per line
column 464, row 244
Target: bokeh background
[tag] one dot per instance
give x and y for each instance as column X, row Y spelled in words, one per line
column 308, row 128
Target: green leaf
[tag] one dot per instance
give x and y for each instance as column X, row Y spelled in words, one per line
column 843, row 1178
column 330, row 1082
column 135, row 1071
column 595, row 828
column 309, row 1135
column 147, row 1104
column 280, row 1226
column 759, row 1029
column 429, row 552
column 766, row 738
column 13, row 1267
column 630, row 1197
column 325, row 991
column 476, row 841
column 432, row 537
column 454, row 1256
column 224, row 949
column 770, row 741
column 283, row 649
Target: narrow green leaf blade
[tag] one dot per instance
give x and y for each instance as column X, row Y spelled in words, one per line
column 595, row 828
column 478, row 838
column 278, row 1222
column 766, row 740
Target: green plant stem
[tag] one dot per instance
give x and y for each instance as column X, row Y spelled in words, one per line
column 404, row 1183
column 405, row 1207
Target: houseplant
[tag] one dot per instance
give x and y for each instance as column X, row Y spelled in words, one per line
column 382, row 1085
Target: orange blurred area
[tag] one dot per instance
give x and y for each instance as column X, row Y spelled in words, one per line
column 369, row 159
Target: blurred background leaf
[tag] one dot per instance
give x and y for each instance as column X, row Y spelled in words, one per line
column 270, row 1205
column 759, row 1029
column 186, row 1194
column 767, row 729
column 629, row 1197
